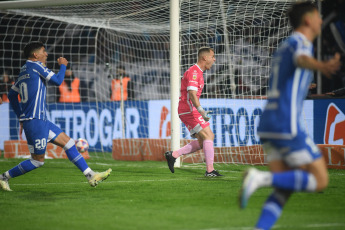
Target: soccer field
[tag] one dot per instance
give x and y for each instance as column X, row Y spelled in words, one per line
column 145, row 195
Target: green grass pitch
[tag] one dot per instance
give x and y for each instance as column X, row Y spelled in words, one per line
column 145, row 195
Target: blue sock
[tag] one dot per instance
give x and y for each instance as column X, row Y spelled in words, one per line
column 270, row 213
column 76, row 158
column 294, row 180
column 22, row 168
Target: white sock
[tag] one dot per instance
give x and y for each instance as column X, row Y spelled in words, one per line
column 265, row 179
column 88, row 173
column 5, row 176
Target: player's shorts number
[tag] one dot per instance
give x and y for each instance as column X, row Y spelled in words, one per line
column 40, row 143
column 23, row 92
column 202, row 120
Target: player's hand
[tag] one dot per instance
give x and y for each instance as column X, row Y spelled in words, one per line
column 203, row 113
column 312, row 86
column 21, row 131
column 62, row 60
column 331, row 66
column 206, row 115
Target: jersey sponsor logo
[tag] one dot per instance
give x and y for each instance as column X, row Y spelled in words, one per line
column 334, row 126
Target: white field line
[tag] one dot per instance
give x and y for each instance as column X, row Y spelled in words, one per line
column 144, row 166
column 200, row 166
column 210, row 178
column 124, row 181
column 311, row 226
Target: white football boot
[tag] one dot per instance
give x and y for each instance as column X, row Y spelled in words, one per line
column 99, row 177
column 250, row 184
column 4, row 185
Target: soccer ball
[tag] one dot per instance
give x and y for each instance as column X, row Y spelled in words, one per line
column 82, row 145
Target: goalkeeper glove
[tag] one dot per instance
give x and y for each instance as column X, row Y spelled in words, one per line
column 204, row 114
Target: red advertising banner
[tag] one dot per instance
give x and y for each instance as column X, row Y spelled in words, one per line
column 154, row 149
column 17, row 149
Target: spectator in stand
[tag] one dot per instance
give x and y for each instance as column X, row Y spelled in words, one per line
column 5, row 86
column 121, row 80
column 69, row 90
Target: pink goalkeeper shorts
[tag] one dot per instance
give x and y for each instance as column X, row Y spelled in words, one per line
column 194, row 122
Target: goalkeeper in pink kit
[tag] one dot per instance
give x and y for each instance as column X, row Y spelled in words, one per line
column 193, row 115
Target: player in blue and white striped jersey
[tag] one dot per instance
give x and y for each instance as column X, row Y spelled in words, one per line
column 295, row 162
column 31, row 111
column 31, row 85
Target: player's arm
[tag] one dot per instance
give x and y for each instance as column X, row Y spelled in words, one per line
column 13, row 98
column 327, row 68
column 55, row 79
column 195, row 100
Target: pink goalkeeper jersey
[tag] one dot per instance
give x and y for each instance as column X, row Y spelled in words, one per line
column 192, row 80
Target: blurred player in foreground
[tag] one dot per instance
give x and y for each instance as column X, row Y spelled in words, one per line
column 31, row 85
column 193, row 115
column 295, row 162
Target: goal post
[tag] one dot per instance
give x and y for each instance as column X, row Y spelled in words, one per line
column 98, row 37
column 174, row 76
column 151, row 43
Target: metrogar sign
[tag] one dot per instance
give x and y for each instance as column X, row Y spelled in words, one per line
column 233, row 121
column 98, row 123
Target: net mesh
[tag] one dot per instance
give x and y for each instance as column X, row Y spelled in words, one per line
column 107, row 42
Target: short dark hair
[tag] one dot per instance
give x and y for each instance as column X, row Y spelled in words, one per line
column 31, row 47
column 203, row 50
column 297, row 12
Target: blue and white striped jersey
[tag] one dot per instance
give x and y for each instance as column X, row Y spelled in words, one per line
column 31, row 85
column 288, row 87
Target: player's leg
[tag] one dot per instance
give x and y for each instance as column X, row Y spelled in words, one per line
column 36, row 134
column 273, row 206
column 308, row 168
column 61, row 139
column 308, row 171
column 171, row 156
column 22, row 168
column 194, row 127
column 254, row 179
column 191, row 147
column 206, row 137
column 276, row 201
column 72, row 153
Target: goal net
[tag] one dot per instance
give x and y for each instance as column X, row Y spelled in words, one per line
column 119, row 52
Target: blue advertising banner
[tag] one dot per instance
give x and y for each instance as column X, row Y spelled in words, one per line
column 329, row 121
column 99, row 123
column 233, row 121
